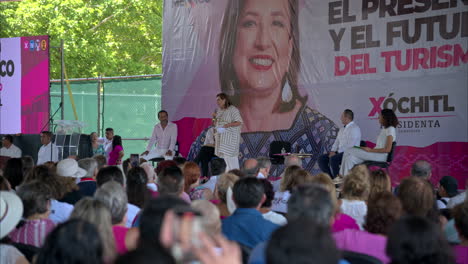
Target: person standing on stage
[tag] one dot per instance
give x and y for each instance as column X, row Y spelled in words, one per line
column 165, row 135
column 9, row 149
column 227, row 135
column 107, row 141
column 348, row 137
column 48, row 150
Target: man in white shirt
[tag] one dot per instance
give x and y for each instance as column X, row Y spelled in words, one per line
column 9, row 149
column 264, row 165
column 165, row 135
column 348, row 137
column 107, row 141
column 48, row 150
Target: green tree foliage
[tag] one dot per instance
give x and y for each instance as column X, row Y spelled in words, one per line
column 108, row 37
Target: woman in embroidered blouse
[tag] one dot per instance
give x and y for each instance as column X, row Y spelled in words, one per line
column 387, row 136
column 259, row 67
column 98, row 148
column 227, row 135
column 115, row 156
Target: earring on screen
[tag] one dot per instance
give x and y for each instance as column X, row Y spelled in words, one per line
column 286, row 94
column 230, row 91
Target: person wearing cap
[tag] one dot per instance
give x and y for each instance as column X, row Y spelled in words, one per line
column 8, row 220
column 448, row 188
column 71, row 172
column 9, row 149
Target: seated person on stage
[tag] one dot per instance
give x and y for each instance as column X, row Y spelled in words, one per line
column 48, row 150
column 207, row 151
column 165, row 135
column 9, row 149
column 348, row 137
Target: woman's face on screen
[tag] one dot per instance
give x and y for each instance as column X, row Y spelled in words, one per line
column 263, row 48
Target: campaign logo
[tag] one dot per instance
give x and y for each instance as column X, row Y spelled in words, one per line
column 32, row 45
column 418, row 107
column 43, row 44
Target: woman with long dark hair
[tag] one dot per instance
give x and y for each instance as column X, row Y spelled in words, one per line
column 387, row 136
column 115, row 156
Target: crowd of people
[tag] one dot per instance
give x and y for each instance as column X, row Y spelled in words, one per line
column 86, row 211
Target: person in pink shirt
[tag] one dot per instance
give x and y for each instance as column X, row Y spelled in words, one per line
column 33, row 230
column 460, row 213
column 117, row 152
column 383, row 210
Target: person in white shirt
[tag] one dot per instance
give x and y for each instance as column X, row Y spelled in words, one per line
column 218, row 167
column 9, row 149
column 107, row 141
column 352, row 156
column 264, row 165
column 48, row 150
column 348, row 137
column 165, row 135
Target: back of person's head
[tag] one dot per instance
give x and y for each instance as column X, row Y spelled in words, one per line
column 264, row 162
column 269, row 193
column 13, row 172
column 90, row 165
column 116, row 141
column 180, row 161
column 250, row 168
column 165, row 164
column 113, row 195
column 147, row 255
column 422, row 169
column 379, row 182
column 294, row 176
column 152, row 218
column 36, row 197
column 192, row 174
column 224, row 182
column 110, row 173
column 383, row 209
column 416, row 196
column 59, row 186
column 97, row 213
column 287, row 244
column 248, row 192
column 311, row 201
column 325, row 181
column 448, row 185
column 101, row 161
column 356, row 186
column 28, row 165
column 137, row 192
column 292, row 160
column 217, row 166
column 211, row 221
column 75, row 241
column 460, row 214
column 414, row 239
column 238, row 173
column 171, row 181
